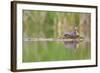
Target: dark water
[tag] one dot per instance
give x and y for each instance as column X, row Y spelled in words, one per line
column 55, row 51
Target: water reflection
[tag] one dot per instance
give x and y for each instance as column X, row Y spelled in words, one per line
column 36, row 51
column 71, row 44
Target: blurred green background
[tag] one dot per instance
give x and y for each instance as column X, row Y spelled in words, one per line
column 51, row 24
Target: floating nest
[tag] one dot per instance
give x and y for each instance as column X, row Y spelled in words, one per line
column 67, row 36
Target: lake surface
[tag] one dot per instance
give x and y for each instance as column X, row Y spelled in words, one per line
column 36, row 51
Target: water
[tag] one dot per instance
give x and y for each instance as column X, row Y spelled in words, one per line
column 71, row 44
column 36, row 51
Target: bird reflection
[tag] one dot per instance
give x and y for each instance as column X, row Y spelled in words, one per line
column 71, row 44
